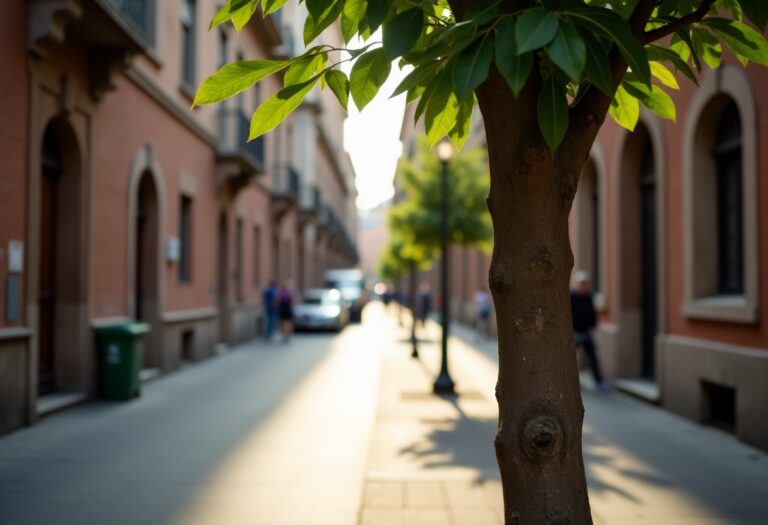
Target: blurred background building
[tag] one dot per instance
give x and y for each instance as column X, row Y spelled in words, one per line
column 667, row 221
column 120, row 202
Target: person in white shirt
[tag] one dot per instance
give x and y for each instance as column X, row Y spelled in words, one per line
column 482, row 312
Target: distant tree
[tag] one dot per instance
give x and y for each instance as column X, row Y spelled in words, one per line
column 403, row 257
column 545, row 73
column 418, row 216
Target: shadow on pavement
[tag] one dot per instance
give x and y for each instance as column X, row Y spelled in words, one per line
column 463, row 441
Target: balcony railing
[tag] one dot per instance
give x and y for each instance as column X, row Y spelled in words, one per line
column 234, row 127
column 138, row 13
column 287, row 182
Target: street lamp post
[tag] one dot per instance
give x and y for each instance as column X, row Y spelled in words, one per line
column 444, row 384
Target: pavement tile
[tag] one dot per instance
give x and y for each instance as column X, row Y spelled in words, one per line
column 384, row 494
column 474, row 516
column 380, row 516
column 467, row 493
column 427, row 517
column 424, row 494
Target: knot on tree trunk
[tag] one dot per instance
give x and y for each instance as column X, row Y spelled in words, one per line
column 542, row 438
column 543, row 264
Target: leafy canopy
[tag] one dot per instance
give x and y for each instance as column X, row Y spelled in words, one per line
column 415, row 222
column 565, row 45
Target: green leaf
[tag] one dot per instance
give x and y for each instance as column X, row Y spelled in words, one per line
column 236, row 77
column 429, row 90
column 470, row 68
column 568, row 51
column 616, row 28
column 513, row 67
column 659, row 53
column 375, row 13
column 419, row 76
column 756, row 11
column 368, row 74
column 707, row 46
column 596, row 68
column 483, row 12
column 315, row 25
column 625, row 109
column 460, row 132
column 403, row 31
column 276, row 108
column 660, row 103
column 664, row 75
column 553, row 113
column 242, row 16
column 535, row 28
column 304, row 68
column 742, row 39
column 270, row 6
column 226, row 11
column 351, row 15
column 316, row 7
column 339, row 85
column 442, row 111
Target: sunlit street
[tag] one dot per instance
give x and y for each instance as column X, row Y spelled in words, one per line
column 343, row 429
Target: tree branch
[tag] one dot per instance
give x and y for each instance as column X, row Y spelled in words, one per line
column 677, row 24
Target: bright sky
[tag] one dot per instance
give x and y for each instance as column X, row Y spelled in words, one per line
column 372, row 139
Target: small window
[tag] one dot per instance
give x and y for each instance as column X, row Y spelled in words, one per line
column 256, row 256
column 239, row 259
column 223, row 48
column 719, row 406
column 185, row 240
column 730, row 236
column 187, row 345
column 188, row 42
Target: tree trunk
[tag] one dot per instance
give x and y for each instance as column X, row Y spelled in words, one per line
column 538, row 439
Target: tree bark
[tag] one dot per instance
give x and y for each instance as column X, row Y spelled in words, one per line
column 538, row 438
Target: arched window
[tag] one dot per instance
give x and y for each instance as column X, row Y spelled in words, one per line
column 720, row 186
column 730, row 235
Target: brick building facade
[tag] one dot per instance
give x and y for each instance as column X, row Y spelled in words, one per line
column 121, row 203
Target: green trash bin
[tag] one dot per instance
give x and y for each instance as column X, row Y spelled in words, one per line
column 121, row 354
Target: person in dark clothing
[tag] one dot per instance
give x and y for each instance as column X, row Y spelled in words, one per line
column 584, row 323
column 270, row 310
column 285, row 300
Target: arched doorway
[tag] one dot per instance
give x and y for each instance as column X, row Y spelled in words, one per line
column 146, row 283
column 648, row 258
column 52, row 172
column 639, row 255
column 223, row 278
column 63, row 356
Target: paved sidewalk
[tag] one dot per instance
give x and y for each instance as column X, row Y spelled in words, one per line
column 268, row 434
column 431, row 460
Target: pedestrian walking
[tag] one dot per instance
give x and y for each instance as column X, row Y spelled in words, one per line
column 269, row 297
column 285, row 301
column 584, row 323
column 482, row 301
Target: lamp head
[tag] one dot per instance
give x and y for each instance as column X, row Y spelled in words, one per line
column 444, row 150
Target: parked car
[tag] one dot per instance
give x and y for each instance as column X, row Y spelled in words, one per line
column 321, row 308
column 350, row 283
